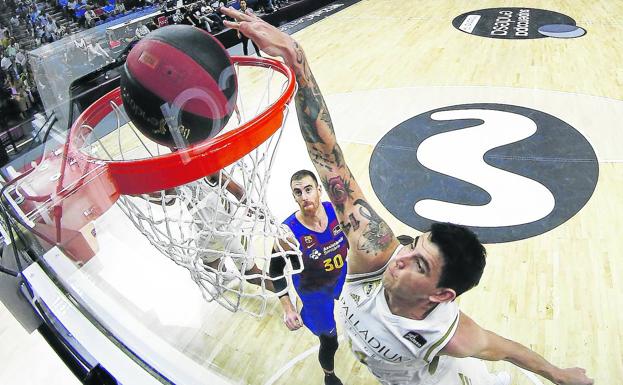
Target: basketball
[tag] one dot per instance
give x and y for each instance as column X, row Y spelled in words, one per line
column 178, row 86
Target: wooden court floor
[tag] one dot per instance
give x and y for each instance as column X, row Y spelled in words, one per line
column 381, row 62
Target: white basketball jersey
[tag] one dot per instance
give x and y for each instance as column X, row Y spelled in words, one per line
column 207, row 207
column 397, row 350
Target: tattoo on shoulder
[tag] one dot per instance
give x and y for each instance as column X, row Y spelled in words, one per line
column 352, row 223
column 377, row 235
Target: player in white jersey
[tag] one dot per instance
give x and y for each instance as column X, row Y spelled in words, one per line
column 398, row 303
column 216, row 244
column 401, row 350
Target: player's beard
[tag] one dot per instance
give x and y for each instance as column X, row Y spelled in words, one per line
column 310, row 208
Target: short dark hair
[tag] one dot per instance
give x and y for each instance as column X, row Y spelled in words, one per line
column 463, row 255
column 300, row 174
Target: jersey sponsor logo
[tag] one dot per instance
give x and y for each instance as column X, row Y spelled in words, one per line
column 309, row 241
column 315, row 254
column 369, row 287
column 337, row 230
column 375, row 345
column 415, row 338
column 333, row 246
column 517, row 23
column 506, row 172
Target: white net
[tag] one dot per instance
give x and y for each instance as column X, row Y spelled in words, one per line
column 219, row 226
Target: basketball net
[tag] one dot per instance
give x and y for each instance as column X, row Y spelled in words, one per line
column 225, row 241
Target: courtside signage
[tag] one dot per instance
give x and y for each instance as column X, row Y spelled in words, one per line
column 469, row 23
column 517, row 23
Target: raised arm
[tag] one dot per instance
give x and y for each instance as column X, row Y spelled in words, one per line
column 372, row 241
column 470, row 340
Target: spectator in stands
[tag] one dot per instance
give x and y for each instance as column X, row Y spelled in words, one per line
column 266, row 6
column 245, row 40
column 119, row 7
column 20, row 61
column 4, row 34
column 60, row 32
column 51, row 28
column 203, row 21
column 90, row 17
column 152, row 26
column 15, row 21
column 20, row 99
column 71, row 9
column 215, row 17
column 11, row 50
column 6, row 63
column 141, row 31
column 177, row 17
column 5, row 97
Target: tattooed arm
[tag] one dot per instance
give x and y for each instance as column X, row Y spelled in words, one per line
column 371, row 240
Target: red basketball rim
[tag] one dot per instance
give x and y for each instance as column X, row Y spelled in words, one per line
column 186, row 165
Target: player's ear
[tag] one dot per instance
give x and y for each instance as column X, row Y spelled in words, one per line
column 443, row 294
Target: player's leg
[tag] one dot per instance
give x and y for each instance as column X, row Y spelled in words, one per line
column 244, row 41
column 326, row 357
column 250, row 272
column 317, row 316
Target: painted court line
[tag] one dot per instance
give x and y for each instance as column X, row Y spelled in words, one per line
column 294, row 361
column 314, row 349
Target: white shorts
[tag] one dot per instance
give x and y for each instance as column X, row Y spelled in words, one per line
column 222, row 246
column 447, row 371
column 461, row 371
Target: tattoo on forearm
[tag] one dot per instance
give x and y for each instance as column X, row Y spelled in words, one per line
column 337, row 155
column 377, row 235
column 320, row 158
column 338, row 190
column 311, row 107
column 329, row 161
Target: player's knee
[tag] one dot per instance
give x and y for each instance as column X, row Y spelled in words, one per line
column 328, row 343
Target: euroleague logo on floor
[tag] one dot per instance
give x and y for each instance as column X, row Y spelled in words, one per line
column 507, row 172
column 517, row 23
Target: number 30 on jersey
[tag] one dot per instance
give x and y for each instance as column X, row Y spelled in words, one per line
column 331, row 264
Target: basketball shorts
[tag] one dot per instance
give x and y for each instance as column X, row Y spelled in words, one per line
column 317, row 313
column 221, row 245
column 318, row 308
column 461, row 371
column 445, row 371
